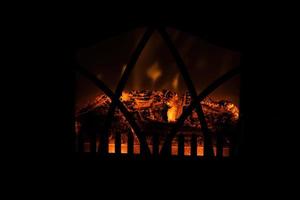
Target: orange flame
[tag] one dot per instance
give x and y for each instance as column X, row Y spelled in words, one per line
column 125, row 96
column 175, row 109
column 233, row 109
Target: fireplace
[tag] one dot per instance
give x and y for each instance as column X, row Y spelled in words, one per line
column 157, row 92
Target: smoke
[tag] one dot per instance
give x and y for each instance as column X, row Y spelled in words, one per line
column 154, row 72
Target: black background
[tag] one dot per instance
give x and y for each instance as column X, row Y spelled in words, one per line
column 265, row 41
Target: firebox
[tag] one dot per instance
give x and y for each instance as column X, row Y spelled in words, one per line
column 157, row 92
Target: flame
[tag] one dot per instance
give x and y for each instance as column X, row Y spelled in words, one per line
column 172, row 114
column 233, row 109
column 142, row 100
column 174, row 110
column 154, row 72
column 175, row 81
column 125, row 96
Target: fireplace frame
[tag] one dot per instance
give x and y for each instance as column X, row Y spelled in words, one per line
column 116, row 103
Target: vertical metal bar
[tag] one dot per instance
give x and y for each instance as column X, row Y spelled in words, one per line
column 219, row 145
column 194, row 146
column 181, row 145
column 80, row 142
column 103, row 149
column 155, row 144
column 118, row 143
column 130, row 144
column 93, row 142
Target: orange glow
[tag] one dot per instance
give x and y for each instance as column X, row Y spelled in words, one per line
column 228, row 107
column 125, row 96
column 172, row 114
column 175, row 82
column 175, row 109
column 154, row 72
column 233, row 109
column 174, row 149
column 149, row 106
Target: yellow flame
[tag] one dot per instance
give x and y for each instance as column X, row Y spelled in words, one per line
column 125, row 96
column 173, row 111
column 172, row 114
column 154, row 72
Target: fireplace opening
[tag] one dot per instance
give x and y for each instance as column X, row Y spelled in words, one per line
column 178, row 95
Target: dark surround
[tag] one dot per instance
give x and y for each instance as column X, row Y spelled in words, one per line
column 252, row 40
column 40, row 151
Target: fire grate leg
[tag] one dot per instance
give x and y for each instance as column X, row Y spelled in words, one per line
column 181, row 145
column 194, row 146
column 130, row 144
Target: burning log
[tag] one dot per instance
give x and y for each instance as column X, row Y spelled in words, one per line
column 155, row 112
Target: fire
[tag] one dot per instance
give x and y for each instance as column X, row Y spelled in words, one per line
column 154, row 72
column 172, row 114
column 233, row 109
column 164, row 106
column 175, row 109
column 154, row 112
column 125, row 96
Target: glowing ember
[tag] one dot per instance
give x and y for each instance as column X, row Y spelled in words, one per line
column 164, row 106
column 155, row 112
